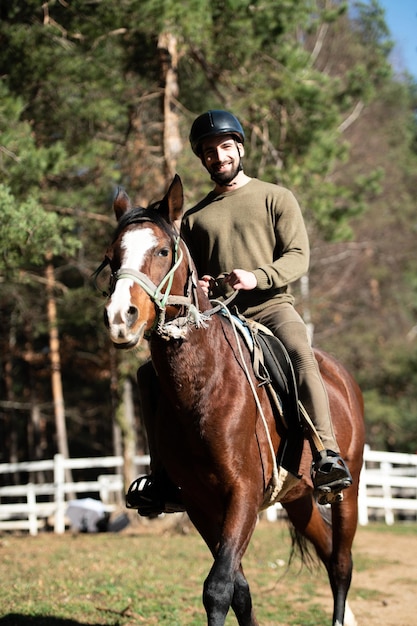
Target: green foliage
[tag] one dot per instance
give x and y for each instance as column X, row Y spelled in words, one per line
column 373, row 30
column 24, row 164
column 29, row 233
column 391, row 405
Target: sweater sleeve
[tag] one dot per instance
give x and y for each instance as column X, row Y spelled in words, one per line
column 292, row 251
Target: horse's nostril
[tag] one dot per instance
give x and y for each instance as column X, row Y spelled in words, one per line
column 131, row 315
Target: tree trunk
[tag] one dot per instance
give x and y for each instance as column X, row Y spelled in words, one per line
column 168, row 59
column 123, row 419
column 10, row 436
column 130, row 439
column 55, row 360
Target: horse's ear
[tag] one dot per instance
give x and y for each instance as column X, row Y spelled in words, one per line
column 121, row 203
column 173, row 202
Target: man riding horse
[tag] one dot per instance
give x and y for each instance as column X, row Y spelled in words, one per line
column 252, row 233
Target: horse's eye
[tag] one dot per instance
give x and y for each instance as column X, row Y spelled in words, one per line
column 163, row 252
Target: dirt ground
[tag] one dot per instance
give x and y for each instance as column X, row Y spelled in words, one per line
column 383, row 590
column 385, row 595
column 384, row 584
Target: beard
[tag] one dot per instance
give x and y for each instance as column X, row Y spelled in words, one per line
column 225, row 178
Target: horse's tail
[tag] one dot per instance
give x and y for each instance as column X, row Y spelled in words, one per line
column 301, row 547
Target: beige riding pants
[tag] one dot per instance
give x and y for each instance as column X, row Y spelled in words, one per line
column 286, row 324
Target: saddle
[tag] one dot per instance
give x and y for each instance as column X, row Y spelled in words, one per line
column 273, row 369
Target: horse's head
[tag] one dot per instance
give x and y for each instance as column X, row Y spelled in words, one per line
column 149, row 268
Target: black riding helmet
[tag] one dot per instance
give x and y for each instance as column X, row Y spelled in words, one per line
column 212, row 123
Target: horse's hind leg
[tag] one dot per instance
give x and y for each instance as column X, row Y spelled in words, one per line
column 344, row 521
column 333, row 546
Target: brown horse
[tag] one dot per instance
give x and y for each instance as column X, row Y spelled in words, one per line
column 217, row 441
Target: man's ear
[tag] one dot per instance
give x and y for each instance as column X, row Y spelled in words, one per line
column 241, row 149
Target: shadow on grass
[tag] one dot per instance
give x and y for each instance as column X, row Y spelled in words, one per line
column 16, row 619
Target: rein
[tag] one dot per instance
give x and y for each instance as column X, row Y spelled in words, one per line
column 276, row 482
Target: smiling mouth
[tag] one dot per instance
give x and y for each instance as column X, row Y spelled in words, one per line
column 225, row 166
column 221, row 166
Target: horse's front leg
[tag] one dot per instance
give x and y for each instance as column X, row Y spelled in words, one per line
column 242, row 601
column 219, row 587
column 227, row 587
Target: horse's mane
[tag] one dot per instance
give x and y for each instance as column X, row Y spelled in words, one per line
column 139, row 215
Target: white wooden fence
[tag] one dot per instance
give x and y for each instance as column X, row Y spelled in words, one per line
column 388, row 489
column 27, row 506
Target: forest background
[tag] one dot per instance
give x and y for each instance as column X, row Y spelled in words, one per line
column 95, row 94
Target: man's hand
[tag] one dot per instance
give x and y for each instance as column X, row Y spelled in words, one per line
column 205, row 283
column 241, row 279
column 238, row 279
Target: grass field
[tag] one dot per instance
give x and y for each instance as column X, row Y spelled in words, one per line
column 149, row 576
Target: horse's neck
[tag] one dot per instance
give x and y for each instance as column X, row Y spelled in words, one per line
column 195, row 357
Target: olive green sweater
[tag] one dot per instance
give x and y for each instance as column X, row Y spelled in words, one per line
column 258, row 227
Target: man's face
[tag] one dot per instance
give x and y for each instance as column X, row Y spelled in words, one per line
column 221, row 156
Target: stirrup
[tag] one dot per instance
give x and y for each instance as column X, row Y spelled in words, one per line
column 151, row 499
column 330, row 475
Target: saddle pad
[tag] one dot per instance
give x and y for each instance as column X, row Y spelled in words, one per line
column 244, row 330
column 274, row 369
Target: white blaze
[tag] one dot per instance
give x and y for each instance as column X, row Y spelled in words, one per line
column 135, row 244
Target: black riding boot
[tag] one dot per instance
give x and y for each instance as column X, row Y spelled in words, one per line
column 330, row 475
column 154, row 494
